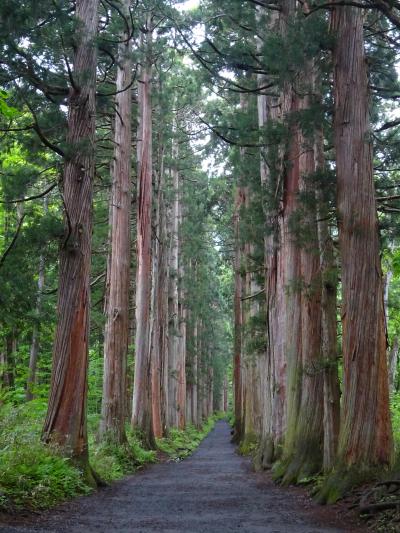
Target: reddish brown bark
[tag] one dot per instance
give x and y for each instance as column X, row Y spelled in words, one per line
column 66, row 416
column 365, row 435
column 306, row 457
column 116, row 335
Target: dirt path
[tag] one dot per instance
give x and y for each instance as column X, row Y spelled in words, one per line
column 213, row 491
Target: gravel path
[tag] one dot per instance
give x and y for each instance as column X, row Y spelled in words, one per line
column 213, row 491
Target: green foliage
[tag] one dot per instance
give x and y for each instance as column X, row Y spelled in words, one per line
column 32, row 475
column 395, row 409
column 112, row 462
column 181, row 443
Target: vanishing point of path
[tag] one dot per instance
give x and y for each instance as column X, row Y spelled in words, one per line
column 213, row 491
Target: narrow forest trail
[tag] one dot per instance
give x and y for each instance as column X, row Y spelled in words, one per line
column 212, row 491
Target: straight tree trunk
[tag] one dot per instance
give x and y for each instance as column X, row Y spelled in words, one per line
column 174, row 315
column 65, row 422
column 272, row 407
column 142, row 402
column 156, row 317
column 238, row 325
column 393, row 360
column 307, row 453
column 182, row 314
column 116, row 336
column 163, row 315
column 194, row 398
column 34, row 350
column 328, row 321
column 366, row 435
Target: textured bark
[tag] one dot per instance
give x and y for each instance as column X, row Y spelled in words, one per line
column 272, row 371
column 159, row 359
column 7, row 361
column 174, row 325
column 116, row 336
column 238, row 326
column 65, row 422
column 181, row 367
column 163, row 315
column 292, row 302
column 307, row 450
column 142, row 402
column 34, row 350
column 366, row 436
column 194, row 396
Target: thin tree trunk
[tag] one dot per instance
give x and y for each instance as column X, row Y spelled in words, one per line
column 116, row 336
column 65, row 422
column 182, row 314
column 366, row 435
column 156, row 319
column 194, row 398
column 34, row 351
column 174, row 326
column 393, row 360
column 142, row 402
column 238, row 325
column 163, row 316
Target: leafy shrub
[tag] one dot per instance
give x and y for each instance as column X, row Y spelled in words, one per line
column 112, row 462
column 32, row 475
column 181, row 443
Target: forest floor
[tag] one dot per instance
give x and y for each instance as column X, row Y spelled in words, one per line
column 214, row 490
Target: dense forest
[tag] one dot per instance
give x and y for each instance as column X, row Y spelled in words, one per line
column 199, row 214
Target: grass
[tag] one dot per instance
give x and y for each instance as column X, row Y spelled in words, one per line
column 35, row 476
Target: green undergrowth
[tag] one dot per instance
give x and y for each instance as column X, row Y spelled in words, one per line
column 32, row 475
column 35, row 476
column 181, row 443
column 112, row 462
column 249, row 445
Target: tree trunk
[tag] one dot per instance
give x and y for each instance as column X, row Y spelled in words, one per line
column 65, row 422
column 163, row 316
column 393, row 359
column 272, row 382
column 34, row 351
column 366, row 436
column 194, row 398
column 329, row 280
column 238, row 326
column 116, row 336
column 174, row 325
column 182, row 317
column 142, row 402
column 307, row 453
column 157, row 316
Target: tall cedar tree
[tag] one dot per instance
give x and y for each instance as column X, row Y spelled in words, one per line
column 65, row 422
column 116, row 335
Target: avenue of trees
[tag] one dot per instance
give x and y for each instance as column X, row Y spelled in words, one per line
column 198, row 207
